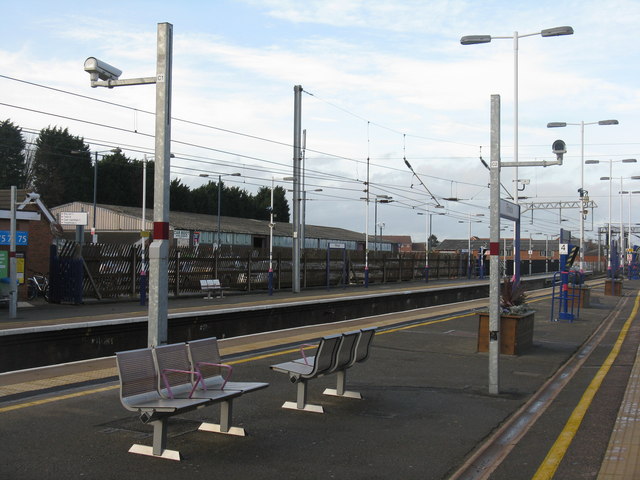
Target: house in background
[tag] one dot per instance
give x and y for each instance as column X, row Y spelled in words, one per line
column 401, row 243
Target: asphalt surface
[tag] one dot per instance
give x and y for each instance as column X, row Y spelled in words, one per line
column 425, row 408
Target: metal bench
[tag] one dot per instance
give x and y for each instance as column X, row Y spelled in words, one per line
column 205, row 359
column 179, row 380
column 335, row 354
column 359, row 354
column 158, row 394
column 139, row 392
column 211, row 285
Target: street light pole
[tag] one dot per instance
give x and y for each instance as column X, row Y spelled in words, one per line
column 610, row 178
column 297, row 157
column 476, row 39
column 583, row 201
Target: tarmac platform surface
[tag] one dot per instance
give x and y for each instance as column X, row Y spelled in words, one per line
column 425, row 410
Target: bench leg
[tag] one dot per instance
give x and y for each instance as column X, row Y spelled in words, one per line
column 159, row 443
column 340, row 391
column 226, row 409
column 301, row 401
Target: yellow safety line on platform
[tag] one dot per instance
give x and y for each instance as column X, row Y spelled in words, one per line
column 557, row 452
column 55, row 399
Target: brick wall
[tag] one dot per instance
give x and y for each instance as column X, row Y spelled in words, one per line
column 36, row 253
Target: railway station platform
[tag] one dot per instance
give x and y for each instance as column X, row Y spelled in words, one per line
column 567, row 408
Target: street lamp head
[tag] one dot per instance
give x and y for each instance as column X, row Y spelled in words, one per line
column 608, row 122
column 556, row 124
column 474, row 39
column 556, row 31
column 99, row 70
column 591, row 162
column 628, row 160
column 605, row 178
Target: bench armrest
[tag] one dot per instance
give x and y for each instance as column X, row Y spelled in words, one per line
column 302, row 348
column 167, row 385
column 221, row 365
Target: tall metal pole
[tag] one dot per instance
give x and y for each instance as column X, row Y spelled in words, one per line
column 469, row 251
column 94, row 236
column 303, row 215
column 516, row 226
column 159, row 248
column 271, row 225
column 143, row 235
column 494, row 249
column 582, row 203
column 219, row 203
column 375, row 225
column 297, row 130
column 609, row 251
column 628, row 249
column 426, row 258
column 366, row 231
column 622, row 255
column 13, row 263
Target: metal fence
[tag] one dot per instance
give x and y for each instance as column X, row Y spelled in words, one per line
column 113, row 270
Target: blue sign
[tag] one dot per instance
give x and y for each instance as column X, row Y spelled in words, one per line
column 22, row 238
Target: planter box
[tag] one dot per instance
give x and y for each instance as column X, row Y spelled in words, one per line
column 613, row 287
column 516, row 333
column 584, row 293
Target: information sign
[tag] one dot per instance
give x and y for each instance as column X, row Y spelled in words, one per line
column 181, row 234
column 509, row 210
column 4, row 264
column 74, row 218
column 22, row 238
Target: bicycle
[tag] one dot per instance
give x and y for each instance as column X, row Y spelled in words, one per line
column 37, row 285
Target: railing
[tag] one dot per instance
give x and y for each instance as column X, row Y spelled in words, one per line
column 113, row 270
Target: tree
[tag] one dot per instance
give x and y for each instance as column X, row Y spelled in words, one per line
column 280, row 205
column 12, row 145
column 433, row 242
column 119, row 180
column 262, row 202
column 180, row 196
column 62, row 170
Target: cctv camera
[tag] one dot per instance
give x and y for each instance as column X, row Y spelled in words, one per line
column 559, row 148
column 100, row 70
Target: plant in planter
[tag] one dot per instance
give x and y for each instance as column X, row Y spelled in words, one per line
column 513, row 298
column 516, row 321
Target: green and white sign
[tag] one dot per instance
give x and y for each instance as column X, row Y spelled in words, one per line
column 4, row 264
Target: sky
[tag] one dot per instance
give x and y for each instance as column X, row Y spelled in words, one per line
column 382, row 82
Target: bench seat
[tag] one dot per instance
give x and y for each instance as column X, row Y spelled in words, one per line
column 161, row 382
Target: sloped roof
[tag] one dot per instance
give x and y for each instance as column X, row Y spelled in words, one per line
column 204, row 222
column 404, row 239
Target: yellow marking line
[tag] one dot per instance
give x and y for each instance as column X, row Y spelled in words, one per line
column 233, row 362
column 557, row 452
column 55, row 399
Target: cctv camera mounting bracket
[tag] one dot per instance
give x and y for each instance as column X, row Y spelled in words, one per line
column 124, row 82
